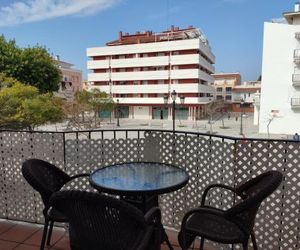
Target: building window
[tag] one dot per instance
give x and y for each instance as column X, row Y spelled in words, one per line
column 228, row 89
column 219, row 89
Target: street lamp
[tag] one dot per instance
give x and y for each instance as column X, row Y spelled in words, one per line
column 173, row 96
column 118, row 114
column 241, row 107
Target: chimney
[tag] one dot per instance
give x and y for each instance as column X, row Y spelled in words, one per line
column 297, row 7
column 120, row 36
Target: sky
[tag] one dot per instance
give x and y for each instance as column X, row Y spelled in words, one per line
column 234, row 28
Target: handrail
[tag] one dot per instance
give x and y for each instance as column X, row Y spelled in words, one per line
column 234, row 138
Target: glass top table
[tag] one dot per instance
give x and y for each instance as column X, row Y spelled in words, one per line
column 139, row 178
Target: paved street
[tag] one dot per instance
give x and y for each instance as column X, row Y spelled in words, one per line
column 231, row 126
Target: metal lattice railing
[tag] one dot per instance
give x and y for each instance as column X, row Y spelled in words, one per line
column 207, row 159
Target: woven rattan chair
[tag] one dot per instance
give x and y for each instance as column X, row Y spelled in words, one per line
column 99, row 222
column 234, row 225
column 47, row 179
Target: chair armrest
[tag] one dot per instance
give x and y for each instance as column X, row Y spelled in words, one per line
column 219, row 186
column 79, row 175
column 152, row 215
column 153, row 219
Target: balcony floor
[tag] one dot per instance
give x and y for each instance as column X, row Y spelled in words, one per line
column 27, row 236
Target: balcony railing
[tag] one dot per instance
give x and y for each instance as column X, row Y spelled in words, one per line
column 207, row 159
column 297, row 56
column 295, row 102
column 296, row 79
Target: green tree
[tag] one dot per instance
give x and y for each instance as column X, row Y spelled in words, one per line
column 22, row 107
column 90, row 103
column 31, row 66
column 7, row 81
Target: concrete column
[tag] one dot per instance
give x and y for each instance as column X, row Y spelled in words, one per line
column 256, row 115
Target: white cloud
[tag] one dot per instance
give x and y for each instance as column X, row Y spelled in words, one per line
column 24, row 11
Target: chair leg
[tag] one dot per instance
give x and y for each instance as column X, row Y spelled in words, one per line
column 201, row 243
column 245, row 245
column 169, row 244
column 44, row 234
column 50, row 232
column 254, row 241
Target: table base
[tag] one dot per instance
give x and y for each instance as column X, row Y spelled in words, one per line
column 145, row 203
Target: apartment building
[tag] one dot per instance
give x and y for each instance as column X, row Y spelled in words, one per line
column 245, row 93
column 224, row 83
column 71, row 79
column 280, row 87
column 139, row 70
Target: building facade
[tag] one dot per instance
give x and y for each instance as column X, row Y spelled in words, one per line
column 224, row 83
column 280, row 87
column 139, row 70
column 71, row 79
column 246, row 92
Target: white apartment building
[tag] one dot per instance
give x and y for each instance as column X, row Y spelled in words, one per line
column 139, row 70
column 280, row 87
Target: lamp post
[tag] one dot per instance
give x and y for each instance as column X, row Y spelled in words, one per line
column 118, row 114
column 173, row 96
column 241, row 107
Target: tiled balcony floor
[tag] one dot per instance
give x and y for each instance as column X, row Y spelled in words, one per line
column 27, row 236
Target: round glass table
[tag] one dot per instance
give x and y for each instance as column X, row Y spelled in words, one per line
column 139, row 178
column 140, row 183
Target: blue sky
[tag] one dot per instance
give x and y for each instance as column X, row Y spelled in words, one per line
column 234, row 28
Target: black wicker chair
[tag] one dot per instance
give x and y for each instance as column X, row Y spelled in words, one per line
column 234, row 225
column 47, row 179
column 101, row 222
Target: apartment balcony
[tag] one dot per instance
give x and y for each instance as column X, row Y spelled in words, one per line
column 295, row 103
column 206, row 158
column 297, row 56
column 160, row 100
column 156, row 88
column 151, row 75
column 152, row 47
column 150, row 61
column 296, row 79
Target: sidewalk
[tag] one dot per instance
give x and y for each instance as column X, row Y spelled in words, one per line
column 232, row 126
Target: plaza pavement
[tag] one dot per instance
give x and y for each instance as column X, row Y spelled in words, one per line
column 232, row 126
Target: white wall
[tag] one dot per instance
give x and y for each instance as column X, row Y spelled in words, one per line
column 277, row 88
column 142, row 112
